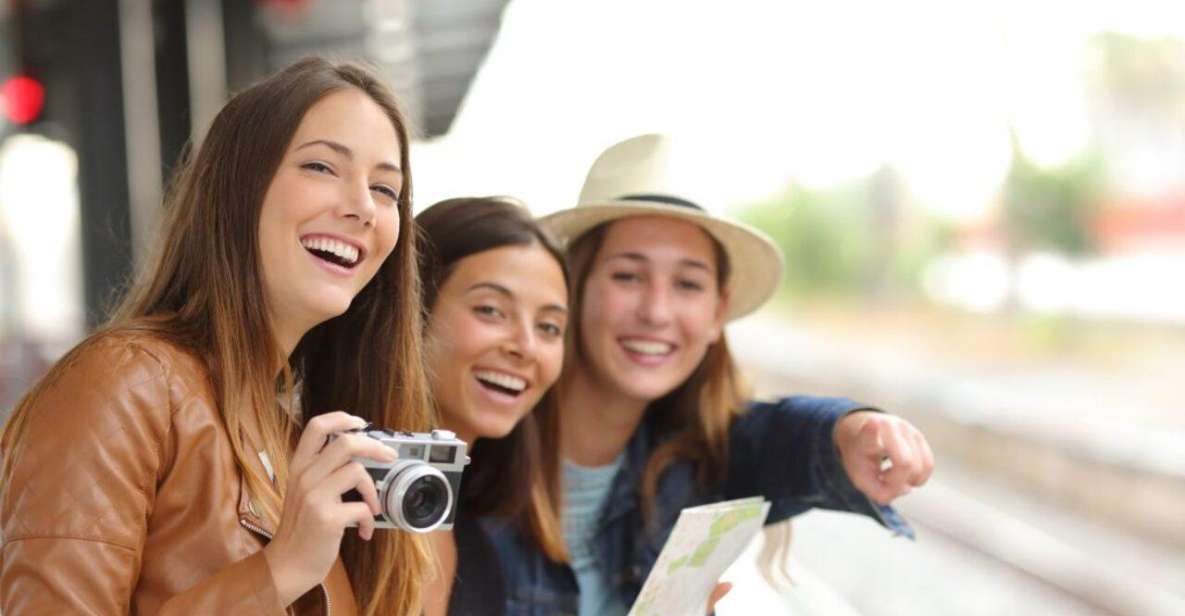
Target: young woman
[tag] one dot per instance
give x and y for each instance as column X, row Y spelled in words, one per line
column 167, row 464
column 496, row 293
column 654, row 417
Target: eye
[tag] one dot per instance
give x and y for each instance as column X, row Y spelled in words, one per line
column 487, row 310
column 386, row 191
column 624, row 276
column 551, row 329
column 318, row 167
column 689, row 285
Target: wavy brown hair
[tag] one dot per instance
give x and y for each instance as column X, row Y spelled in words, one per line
column 516, row 477
column 203, row 290
column 693, row 420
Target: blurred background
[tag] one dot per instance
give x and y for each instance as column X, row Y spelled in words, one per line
column 982, row 205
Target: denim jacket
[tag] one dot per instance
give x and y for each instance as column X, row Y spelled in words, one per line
column 780, row 450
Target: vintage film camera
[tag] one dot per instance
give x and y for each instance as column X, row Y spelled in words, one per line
column 417, row 492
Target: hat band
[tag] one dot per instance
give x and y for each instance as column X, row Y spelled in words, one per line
column 665, row 199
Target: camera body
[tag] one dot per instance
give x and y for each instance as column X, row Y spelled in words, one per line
column 417, row 492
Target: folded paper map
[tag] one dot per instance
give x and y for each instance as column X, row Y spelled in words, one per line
column 705, row 541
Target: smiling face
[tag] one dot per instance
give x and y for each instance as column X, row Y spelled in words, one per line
column 651, row 306
column 496, row 338
column 330, row 215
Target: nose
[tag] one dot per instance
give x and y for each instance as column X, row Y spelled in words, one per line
column 358, row 204
column 521, row 342
column 654, row 305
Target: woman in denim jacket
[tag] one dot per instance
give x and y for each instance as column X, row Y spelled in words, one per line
column 496, row 298
column 654, row 414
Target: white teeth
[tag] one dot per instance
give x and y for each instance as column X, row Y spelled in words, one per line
column 647, row 347
column 501, row 380
column 348, row 253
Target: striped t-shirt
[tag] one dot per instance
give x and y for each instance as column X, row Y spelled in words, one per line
column 585, row 490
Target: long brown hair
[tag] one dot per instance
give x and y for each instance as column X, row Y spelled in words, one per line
column 203, row 291
column 516, row 477
column 692, row 421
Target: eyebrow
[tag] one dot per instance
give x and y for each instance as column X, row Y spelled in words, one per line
column 501, row 290
column 348, row 153
column 641, row 258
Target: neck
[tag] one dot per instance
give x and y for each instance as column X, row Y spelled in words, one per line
column 598, row 420
column 287, row 336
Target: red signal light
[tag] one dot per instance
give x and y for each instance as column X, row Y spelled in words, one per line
column 23, row 98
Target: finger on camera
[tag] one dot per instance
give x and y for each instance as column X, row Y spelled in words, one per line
column 346, row 447
column 318, row 429
column 353, row 476
column 358, row 515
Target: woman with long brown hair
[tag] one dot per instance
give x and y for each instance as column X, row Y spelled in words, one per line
column 496, row 294
column 654, row 414
column 178, row 460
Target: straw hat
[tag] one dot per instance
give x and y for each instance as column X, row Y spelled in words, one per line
column 639, row 177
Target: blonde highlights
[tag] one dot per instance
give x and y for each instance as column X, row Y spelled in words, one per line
column 204, row 292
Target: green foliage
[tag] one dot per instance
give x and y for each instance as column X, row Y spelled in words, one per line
column 825, row 235
column 1052, row 209
column 839, row 241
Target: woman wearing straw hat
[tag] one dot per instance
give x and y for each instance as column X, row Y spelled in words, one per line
column 654, row 415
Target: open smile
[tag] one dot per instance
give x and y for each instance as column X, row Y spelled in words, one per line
column 647, row 352
column 501, row 382
column 334, row 251
column 648, row 348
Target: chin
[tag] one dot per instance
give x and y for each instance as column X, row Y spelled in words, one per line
column 495, row 430
column 331, row 308
column 648, row 389
column 646, row 392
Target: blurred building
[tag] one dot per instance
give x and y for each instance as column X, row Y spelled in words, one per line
column 127, row 84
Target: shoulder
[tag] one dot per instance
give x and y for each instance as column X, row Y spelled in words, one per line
column 117, row 378
column 97, row 429
column 122, row 359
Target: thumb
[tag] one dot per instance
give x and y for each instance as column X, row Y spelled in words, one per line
column 717, row 594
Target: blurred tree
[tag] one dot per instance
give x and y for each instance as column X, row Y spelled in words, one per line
column 857, row 238
column 1051, row 208
column 824, row 233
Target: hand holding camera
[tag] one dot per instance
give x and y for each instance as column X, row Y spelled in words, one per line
column 345, row 473
column 418, row 491
column 315, row 517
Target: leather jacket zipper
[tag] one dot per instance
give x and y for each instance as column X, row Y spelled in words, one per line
column 324, row 590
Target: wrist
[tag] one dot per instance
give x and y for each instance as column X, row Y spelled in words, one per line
column 286, row 579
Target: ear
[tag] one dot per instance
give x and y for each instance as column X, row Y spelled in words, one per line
column 717, row 326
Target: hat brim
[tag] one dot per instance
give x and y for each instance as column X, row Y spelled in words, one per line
column 755, row 261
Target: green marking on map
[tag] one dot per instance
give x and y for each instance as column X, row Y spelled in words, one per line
column 720, row 527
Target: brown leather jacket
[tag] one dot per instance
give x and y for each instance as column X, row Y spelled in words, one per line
column 125, row 497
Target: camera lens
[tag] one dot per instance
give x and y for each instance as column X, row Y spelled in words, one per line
column 426, row 501
column 418, row 497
